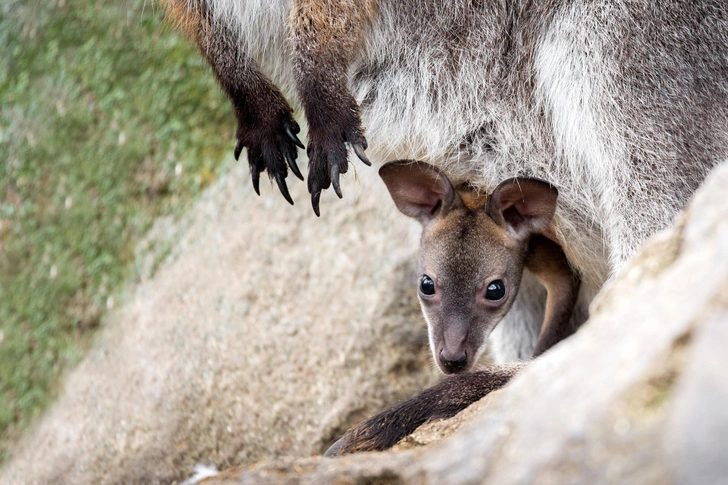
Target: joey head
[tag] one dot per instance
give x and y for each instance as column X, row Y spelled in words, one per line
column 473, row 251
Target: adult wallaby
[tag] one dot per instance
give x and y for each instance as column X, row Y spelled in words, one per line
column 473, row 251
column 622, row 105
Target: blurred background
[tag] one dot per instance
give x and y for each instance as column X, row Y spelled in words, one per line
column 108, row 119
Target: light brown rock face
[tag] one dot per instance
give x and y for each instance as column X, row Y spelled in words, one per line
column 269, row 332
column 638, row 396
column 266, row 335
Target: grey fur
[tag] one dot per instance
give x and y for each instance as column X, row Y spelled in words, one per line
column 623, row 105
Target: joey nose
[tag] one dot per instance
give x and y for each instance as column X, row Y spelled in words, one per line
column 454, row 363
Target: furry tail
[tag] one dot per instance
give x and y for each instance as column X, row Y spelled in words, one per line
column 443, row 400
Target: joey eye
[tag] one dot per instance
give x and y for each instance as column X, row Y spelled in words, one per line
column 427, row 286
column 495, row 291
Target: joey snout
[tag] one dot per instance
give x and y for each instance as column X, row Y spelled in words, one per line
column 453, row 356
column 456, row 344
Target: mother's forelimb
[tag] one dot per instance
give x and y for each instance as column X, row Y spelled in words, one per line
column 265, row 119
column 327, row 35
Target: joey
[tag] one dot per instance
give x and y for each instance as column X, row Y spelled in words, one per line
column 473, row 251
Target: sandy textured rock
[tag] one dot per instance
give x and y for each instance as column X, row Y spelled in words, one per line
column 637, row 396
column 266, row 334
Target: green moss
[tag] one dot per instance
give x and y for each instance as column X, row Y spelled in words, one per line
column 107, row 120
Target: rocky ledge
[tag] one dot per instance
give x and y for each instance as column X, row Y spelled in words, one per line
column 265, row 335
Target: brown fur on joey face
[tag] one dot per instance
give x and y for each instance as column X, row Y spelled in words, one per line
column 471, row 256
column 476, row 269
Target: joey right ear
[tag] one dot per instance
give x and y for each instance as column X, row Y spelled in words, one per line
column 419, row 190
column 523, row 205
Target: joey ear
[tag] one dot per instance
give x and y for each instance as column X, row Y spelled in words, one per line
column 523, row 205
column 419, row 190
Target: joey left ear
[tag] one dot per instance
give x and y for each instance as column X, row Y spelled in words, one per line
column 523, row 205
column 419, row 190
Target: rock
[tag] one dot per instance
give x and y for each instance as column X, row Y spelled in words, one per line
column 265, row 334
column 268, row 332
column 637, row 396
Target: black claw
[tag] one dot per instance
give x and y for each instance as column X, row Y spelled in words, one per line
column 281, row 181
column 294, row 168
column 335, row 181
column 291, row 132
column 238, row 150
column 334, row 449
column 255, row 174
column 359, row 150
column 315, row 203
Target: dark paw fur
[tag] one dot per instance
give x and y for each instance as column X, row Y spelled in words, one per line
column 441, row 401
column 378, row 433
column 328, row 155
column 271, row 148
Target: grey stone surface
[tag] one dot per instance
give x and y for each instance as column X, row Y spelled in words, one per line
column 698, row 428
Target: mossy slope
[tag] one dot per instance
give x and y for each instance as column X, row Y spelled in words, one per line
column 107, row 119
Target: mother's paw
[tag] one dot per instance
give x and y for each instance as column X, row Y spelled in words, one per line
column 271, row 147
column 328, row 154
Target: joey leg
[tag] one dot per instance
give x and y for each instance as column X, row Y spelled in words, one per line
column 443, row 400
column 548, row 262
